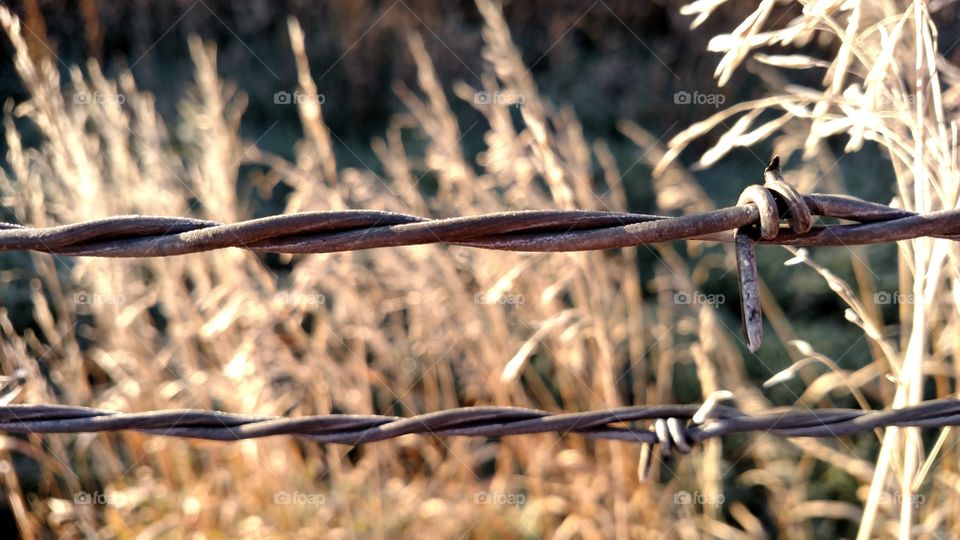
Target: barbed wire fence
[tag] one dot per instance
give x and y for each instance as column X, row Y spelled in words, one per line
column 755, row 219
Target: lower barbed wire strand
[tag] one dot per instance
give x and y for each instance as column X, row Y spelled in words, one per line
column 672, row 426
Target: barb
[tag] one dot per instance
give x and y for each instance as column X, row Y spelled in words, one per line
column 676, row 426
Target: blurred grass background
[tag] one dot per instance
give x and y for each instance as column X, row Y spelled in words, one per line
column 606, row 63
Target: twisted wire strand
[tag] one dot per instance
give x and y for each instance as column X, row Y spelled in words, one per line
column 534, row 230
column 674, row 426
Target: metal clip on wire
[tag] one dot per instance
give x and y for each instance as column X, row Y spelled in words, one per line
column 671, row 433
column 773, row 199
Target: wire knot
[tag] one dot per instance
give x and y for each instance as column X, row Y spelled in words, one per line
column 674, row 434
column 775, row 198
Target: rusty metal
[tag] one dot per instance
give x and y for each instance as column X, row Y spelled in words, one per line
column 750, row 312
column 535, row 230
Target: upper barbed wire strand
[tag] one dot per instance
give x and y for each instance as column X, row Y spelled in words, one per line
column 533, row 230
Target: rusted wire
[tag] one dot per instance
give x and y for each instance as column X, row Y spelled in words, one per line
column 756, row 218
column 537, row 230
column 673, row 426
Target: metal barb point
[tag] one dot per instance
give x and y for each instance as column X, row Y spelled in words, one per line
column 750, row 312
column 774, row 167
column 645, row 462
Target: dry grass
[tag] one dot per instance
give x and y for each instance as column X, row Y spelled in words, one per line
column 403, row 331
column 883, row 86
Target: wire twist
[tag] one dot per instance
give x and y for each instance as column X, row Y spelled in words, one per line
column 773, row 198
column 534, row 230
column 673, row 427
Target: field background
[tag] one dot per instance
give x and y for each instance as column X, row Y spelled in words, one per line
column 179, row 108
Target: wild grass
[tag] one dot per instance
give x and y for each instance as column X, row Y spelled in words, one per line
column 882, row 86
column 417, row 329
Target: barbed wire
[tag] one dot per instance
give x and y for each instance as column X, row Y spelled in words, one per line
column 755, row 218
column 673, row 426
column 536, row 230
